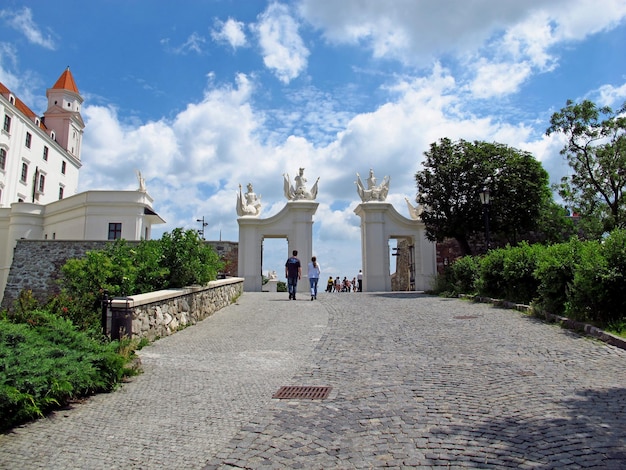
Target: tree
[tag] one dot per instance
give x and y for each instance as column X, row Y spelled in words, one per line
column 454, row 174
column 596, row 152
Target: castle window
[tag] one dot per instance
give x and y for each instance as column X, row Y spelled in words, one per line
column 29, row 139
column 3, row 159
column 45, row 152
column 24, row 173
column 61, row 193
column 42, row 183
column 7, row 123
column 115, row 230
column 63, row 166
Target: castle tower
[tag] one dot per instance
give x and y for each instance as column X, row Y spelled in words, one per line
column 63, row 117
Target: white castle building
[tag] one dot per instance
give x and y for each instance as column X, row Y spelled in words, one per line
column 39, row 167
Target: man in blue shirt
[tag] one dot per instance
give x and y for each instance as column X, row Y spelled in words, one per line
column 293, row 272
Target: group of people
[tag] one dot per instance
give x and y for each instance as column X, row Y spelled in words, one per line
column 293, row 273
column 345, row 285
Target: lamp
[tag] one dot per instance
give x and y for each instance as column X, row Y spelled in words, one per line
column 204, row 224
column 485, row 199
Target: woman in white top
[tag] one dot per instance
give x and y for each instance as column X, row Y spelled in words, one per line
column 314, row 276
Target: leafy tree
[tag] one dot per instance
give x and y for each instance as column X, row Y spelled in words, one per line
column 454, row 174
column 596, row 152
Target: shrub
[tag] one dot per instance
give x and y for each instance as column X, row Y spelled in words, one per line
column 458, row 278
column 555, row 274
column 188, row 259
column 490, row 282
column 507, row 273
column 179, row 259
column 46, row 362
column 598, row 287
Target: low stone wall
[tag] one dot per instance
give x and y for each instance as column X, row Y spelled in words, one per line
column 162, row 313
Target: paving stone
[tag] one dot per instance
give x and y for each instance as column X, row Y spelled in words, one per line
column 412, row 386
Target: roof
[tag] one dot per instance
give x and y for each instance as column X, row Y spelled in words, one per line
column 66, row 82
column 20, row 105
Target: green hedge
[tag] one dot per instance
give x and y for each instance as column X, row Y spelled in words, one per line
column 46, row 362
column 584, row 280
column 52, row 354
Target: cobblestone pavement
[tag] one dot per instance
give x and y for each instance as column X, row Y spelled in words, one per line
column 417, row 382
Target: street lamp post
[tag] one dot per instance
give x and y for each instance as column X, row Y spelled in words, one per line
column 485, row 199
column 204, row 224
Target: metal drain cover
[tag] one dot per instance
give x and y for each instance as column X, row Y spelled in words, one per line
column 304, row 393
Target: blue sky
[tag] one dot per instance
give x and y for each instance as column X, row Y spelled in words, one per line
column 202, row 96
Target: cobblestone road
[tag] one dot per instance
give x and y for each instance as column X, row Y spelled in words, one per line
column 417, row 382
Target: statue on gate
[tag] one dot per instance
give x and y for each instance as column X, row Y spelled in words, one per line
column 249, row 203
column 414, row 211
column 299, row 191
column 372, row 192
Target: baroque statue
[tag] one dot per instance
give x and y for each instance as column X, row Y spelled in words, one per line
column 414, row 212
column 372, row 192
column 299, row 191
column 249, row 203
column 142, row 181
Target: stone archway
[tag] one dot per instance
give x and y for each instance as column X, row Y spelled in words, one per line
column 294, row 223
column 380, row 222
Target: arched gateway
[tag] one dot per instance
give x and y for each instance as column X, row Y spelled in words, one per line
column 380, row 222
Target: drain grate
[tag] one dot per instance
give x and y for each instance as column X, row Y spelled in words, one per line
column 304, row 393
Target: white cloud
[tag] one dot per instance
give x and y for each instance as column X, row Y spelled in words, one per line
column 23, row 21
column 414, row 32
column 495, row 79
column 231, row 32
column 609, row 95
column 281, row 45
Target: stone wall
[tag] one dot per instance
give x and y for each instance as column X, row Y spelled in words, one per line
column 162, row 313
column 37, row 263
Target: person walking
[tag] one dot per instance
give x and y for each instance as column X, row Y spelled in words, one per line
column 330, row 284
column 359, row 278
column 314, row 276
column 293, row 272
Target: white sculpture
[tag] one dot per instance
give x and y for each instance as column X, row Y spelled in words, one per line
column 142, row 181
column 372, row 192
column 249, row 203
column 414, row 212
column 300, row 190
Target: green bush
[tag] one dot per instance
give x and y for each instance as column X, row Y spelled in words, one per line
column 583, row 280
column 490, row 282
column 508, row 273
column 555, row 274
column 188, row 259
column 46, row 362
column 598, row 292
column 176, row 260
column 459, row 277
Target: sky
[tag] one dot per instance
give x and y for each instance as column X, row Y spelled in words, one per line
column 202, row 96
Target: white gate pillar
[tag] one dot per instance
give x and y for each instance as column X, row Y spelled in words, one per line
column 374, row 246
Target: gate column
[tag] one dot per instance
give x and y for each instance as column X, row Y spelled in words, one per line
column 374, row 246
